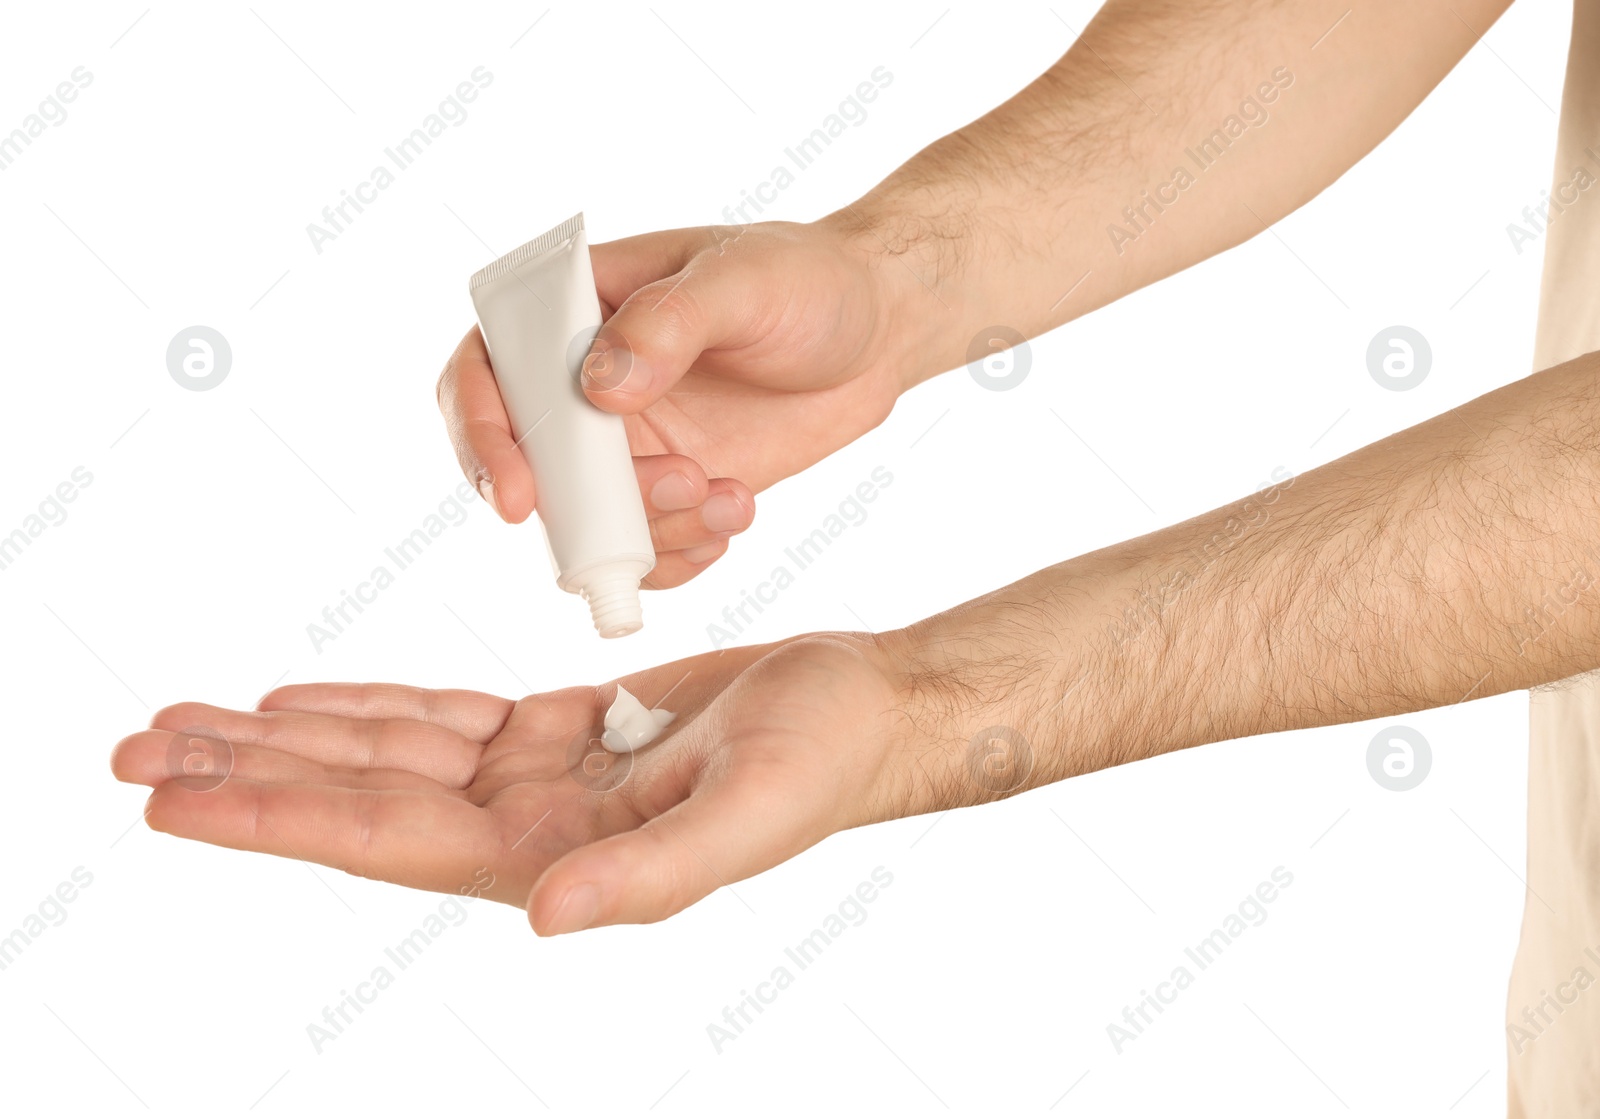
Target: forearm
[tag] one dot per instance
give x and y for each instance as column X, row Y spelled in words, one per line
column 1167, row 133
column 1453, row 560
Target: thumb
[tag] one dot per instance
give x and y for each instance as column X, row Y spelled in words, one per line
column 660, row 331
column 725, row 832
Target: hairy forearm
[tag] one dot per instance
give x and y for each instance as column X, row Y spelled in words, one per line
column 1454, row 560
column 1169, row 132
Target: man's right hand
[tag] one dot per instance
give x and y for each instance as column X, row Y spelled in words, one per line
column 737, row 356
column 741, row 355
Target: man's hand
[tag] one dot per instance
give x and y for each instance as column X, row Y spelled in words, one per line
column 1450, row 561
column 773, row 748
column 741, row 355
column 737, row 356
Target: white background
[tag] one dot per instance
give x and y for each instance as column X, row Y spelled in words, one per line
column 219, row 524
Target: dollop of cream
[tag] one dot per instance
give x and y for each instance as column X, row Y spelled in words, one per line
column 630, row 724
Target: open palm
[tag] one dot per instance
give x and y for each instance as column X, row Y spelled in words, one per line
column 774, row 748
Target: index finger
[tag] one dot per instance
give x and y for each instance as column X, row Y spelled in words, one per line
column 480, row 431
column 419, row 839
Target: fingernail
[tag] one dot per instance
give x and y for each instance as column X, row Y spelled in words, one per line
column 673, row 491
column 576, row 910
column 723, row 512
column 703, row 552
column 486, row 491
column 608, row 368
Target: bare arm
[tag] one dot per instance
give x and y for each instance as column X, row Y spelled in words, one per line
column 1453, row 560
column 1169, row 132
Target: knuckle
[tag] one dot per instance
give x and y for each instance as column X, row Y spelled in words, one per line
column 676, row 882
column 174, row 716
column 657, row 536
column 671, row 303
column 445, row 384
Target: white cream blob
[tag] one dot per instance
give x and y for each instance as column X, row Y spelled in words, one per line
column 630, row 724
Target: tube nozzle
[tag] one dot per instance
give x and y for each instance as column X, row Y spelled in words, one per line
column 614, row 605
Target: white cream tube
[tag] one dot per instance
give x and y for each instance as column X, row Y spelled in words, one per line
column 539, row 313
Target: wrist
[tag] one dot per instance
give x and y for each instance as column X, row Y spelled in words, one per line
column 990, row 695
column 916, row 266
column 1107, row 658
